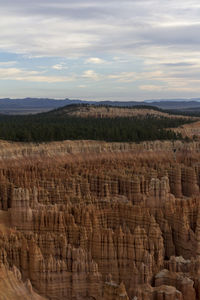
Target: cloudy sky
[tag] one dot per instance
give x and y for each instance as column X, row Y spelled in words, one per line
column 100, row 49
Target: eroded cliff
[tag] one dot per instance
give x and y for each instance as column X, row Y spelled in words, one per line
column 93, row 220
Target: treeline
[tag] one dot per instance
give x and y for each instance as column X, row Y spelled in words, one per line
column 193, row 112
column 46, row 127
column 83, row 105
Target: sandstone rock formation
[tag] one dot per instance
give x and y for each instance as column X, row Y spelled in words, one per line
column 118, row 224
column 12, row 286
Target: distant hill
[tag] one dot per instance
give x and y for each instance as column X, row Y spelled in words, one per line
column 37, row 105
column 93, row 122
column 110, row 111
column 177, row 105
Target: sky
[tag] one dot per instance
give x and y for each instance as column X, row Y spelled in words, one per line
column 100, row 49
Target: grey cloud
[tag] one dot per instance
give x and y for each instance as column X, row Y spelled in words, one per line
column 179, row 64
column 88, row 27
column 173, row 35
column 111, row 9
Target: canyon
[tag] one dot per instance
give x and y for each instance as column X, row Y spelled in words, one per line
column 83, row 220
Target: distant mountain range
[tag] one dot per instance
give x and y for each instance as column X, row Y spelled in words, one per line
column 32, row 105
column 37, row 105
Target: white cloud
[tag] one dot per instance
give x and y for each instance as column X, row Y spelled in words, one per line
column 60, row 67
column 151, row 87
column 7, row 63
column 124, row 76
column 90, row 74
column 170, row 87
column 120, row 59
column 95, row 60
column 33, row 76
